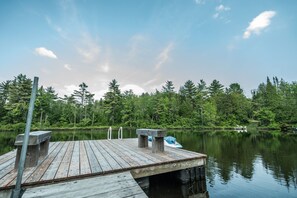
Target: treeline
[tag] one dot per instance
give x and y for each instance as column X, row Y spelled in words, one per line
column 273, row 104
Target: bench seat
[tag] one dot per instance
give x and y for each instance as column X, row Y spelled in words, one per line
column 37, row 150
column 157, row 139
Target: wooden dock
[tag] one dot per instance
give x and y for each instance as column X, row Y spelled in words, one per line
column 103, row 186
column 72, row 160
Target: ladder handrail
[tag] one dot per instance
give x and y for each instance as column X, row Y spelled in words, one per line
column 109, row 133
column 120, row 133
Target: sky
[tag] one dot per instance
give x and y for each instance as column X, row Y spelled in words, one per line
column 144, row 43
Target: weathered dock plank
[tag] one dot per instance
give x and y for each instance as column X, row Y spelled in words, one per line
column 140, row 158
column 64, row 165
column 74, row 163
column 40, row 170
column 100, row 158
column 113, row 164
column 52, row 169
column 115, row 185
column 116, row 157
column 120, row 152
column 94, row 164
column 7, row 156
column 84, row 160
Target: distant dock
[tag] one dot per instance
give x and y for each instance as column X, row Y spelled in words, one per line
column 77, row 160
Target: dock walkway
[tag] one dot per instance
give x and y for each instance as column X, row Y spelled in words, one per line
column 73, row 160
column 118, row 185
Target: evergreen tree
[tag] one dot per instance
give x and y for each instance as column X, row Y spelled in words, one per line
column 113, row 103
column 18, row 97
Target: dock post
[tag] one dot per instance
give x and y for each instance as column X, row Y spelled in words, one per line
column 191, row 174
column 142, row 141
column 158, row 144
column 16, row 193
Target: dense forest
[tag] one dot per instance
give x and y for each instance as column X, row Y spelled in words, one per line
column 273, row 104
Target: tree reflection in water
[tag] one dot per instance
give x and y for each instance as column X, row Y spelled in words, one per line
column 240, row 160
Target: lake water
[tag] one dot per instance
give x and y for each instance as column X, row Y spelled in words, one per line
column 238, row 165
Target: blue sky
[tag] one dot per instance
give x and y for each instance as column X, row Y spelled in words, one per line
column 144, row 43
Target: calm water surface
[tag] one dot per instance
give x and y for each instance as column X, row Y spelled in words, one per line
column 238, row 165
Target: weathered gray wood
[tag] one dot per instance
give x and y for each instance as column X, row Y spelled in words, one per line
column 74, row 163
column 158, row 144
column 35, row 138
column 6, row 170
column 5, row 164
column 10, row 177
column 40, row 170
column 142, row 141
column 151, row 132
column 7, row 156
column 109, row 155
column 135, row 153
column 100, row 158
column 37, row 147
column 157, row 136
column 64, row 165
column 83, row 160
column 116, row 157
column 44, row 149
column 32, row 156
column 166, row 167
column 123, row 155
column 113, row 164
column 115, row 185
column 161, row 157
column 94, row 164
column 52, row 169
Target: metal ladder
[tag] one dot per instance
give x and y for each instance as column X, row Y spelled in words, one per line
column 120, row 133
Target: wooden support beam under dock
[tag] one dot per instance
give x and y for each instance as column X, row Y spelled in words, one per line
column 72, row 160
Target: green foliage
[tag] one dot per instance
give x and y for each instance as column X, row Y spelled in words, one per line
column 273, row 104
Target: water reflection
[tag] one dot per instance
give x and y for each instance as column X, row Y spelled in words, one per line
column 166, row 186
column 244, row 161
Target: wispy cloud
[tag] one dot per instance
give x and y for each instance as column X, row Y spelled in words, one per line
column 199, row 1
column 105, row 68
column 136, row 42
column 259, row 23
column 149, row 82
column 88, row 48
column 42, row 51
column 220, row 10
column 68, row 67
column 164, row 55
column 69, row 89
column 135, row 88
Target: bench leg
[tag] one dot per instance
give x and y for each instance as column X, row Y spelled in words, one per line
column 158, row 144
column 142, row 141
column 31, row 156
column 44, row 149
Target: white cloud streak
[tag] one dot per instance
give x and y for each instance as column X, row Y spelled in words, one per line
column 199, row 2
column 68, row 67
column 42, row 51
column 135, row 88
column 164, row 55
column 88, row 48
column 259, row 23
column 105, row 68
column 136, row 43
column 220, row 10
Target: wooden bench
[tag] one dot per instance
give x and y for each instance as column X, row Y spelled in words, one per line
column 157, row 139
column 37, row 147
